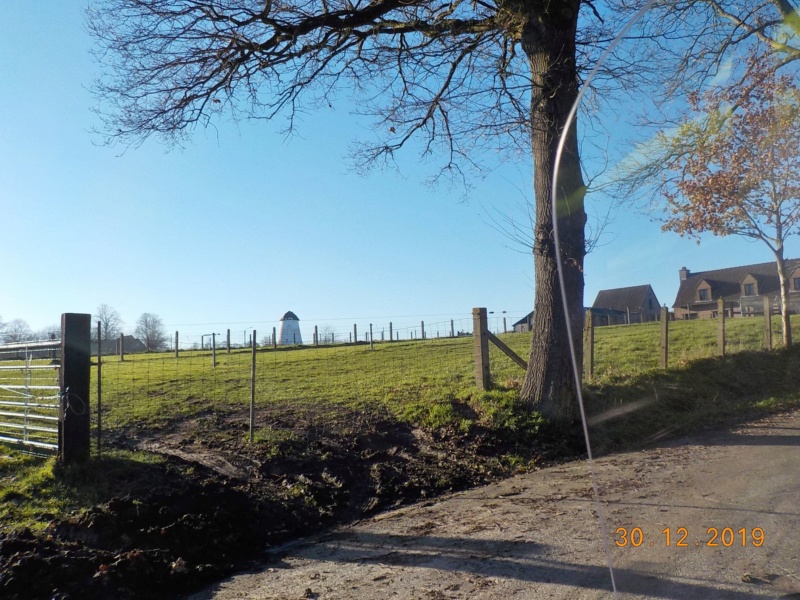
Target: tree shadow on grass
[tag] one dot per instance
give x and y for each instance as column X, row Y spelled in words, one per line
column 706, row 394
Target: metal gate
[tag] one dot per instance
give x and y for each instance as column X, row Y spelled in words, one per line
column 30, row 395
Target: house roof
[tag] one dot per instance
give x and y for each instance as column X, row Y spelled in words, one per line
column 622, row 299
column 289, row 316
column 524, row 320
column 726, row 283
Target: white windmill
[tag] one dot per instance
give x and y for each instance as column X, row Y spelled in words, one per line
column 290, row 330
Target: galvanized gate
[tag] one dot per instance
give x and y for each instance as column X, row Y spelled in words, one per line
column 30, row 395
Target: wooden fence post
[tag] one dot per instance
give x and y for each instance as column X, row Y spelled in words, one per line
column 274, row 339
column 422, row 326
column 355, row 334
column 663, row 354
column 253, row 386
column 452, row 331
column 121, row 347
column 176, row 345
column 721, row 327
column 480, row 329
column 504, row 326
column 371, row 346
column 99, row 389
column 588, row 346
column 390, row 332
column 767, row 323
column 74, row 427
column 228, row 342
column 214, row 350
column 316, row 336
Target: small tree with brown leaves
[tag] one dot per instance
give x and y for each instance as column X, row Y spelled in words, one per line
column 743, row 176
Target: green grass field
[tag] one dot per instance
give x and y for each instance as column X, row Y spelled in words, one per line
column 419, row 381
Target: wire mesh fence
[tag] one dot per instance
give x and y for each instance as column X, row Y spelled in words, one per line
column 207, row 378
column 210, row 380
column 631, row 349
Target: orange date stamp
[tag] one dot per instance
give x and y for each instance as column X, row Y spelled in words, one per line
column 679, row 537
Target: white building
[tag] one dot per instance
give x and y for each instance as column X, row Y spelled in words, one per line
column 290, row 330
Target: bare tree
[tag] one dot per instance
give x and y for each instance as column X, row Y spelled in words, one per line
column 110, row 323
column 326, row 334
column 461, row 76
column 150, row 330
column 17, row 331
column 51, row 332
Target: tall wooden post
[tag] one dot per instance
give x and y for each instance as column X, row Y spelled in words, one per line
column 355, row 333
column 721, row 327
column 767, row 323
column 176, row 345
column 422, row 326
column 663, row 344
column 588, row 346
column 214, row 350
column 452, row 329
column 274, row 339
column 121, row 347
column 480, row 329
column 316, row 336
column 391, row 339
column 74, row 427
column 371, row 346
column 504, row 326
column 253, row 385
column 99, row 388
column 228, row 342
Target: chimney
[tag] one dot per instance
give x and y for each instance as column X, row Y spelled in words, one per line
column 684, row 272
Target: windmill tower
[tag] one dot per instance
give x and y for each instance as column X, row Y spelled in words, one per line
column 290, row 330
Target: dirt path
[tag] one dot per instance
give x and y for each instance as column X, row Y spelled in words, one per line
column 538, row 535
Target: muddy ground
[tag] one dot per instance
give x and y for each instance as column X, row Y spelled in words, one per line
column 220, row 503
column 730, row 500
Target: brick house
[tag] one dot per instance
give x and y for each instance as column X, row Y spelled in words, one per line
column 636, row 304
column 742, row 288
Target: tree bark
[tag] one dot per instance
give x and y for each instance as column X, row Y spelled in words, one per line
column 548, row 40
column 786, row 325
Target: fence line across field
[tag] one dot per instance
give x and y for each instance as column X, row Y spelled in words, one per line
column 239, row 387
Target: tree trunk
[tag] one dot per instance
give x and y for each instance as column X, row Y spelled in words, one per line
column 548, row 40
column 786, row 325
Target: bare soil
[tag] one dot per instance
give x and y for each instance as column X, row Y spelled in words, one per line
column 538, row 535
column 222, row 505
column 221, row 502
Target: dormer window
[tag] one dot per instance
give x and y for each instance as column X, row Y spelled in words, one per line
column 702, row 294
column 796, row 284
column 749, row 286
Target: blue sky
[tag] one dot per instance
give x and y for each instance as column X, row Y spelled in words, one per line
column 242, row 224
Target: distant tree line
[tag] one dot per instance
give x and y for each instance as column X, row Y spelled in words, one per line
column 149, row 329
